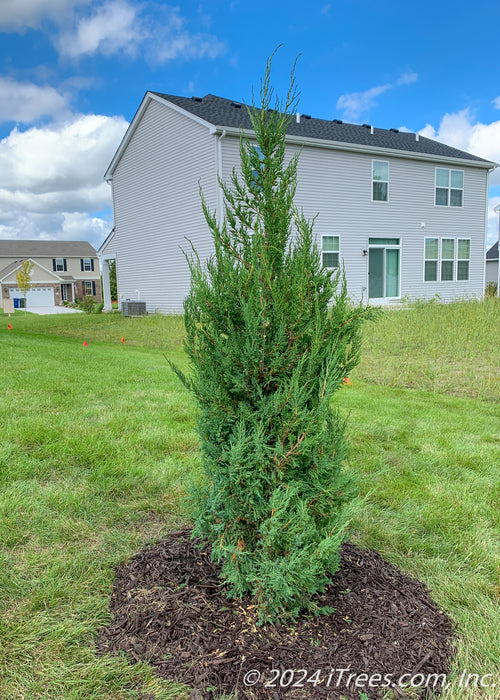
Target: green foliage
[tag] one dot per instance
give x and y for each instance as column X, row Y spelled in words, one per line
column 23, row 278
column 113, row 289
column 491, row 289
column 270, row 335
column 89, row 305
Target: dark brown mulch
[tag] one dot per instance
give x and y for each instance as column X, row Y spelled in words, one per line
column 169, row 608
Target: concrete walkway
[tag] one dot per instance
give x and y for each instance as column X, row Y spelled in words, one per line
column 47, row 310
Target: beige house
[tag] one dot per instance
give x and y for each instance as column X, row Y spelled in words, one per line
column 63, row 271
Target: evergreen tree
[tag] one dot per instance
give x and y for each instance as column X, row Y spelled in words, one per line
column 270, row 336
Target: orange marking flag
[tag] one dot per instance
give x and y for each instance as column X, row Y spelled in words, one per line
column 123, row 339
column 85, row 344
column 346, row 380
column 9, row 327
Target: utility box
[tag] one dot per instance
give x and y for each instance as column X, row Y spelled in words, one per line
column 133, row 308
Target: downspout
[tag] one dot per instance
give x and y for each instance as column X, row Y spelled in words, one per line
column 219, row 177
column 497, row 210
column 490, row 170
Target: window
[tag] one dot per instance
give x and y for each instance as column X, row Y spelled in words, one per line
column 449, row 256
column 447, row 259
column 449, row 187
column 89, row 288
column 431, row 259
column 463, row 259
column 330, row 251
column 380, row 180
column 384, row 263
column 87, row 265
column 59, row 264
column 257, row 166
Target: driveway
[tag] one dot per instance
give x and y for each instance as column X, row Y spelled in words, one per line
column 47, row 310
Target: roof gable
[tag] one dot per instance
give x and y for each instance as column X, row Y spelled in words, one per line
column 492, row 253
column 8, row 273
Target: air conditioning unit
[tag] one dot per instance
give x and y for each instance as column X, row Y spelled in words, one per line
column 133, row 308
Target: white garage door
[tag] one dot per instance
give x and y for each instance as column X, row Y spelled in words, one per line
column 38, row 296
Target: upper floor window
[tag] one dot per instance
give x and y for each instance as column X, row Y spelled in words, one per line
column 330, row 251
column 380, row 180
column 87, row 264
column 449, row 187
column 59, row 264
column 256, row 160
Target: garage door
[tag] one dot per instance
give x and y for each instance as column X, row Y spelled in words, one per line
column 38, row 296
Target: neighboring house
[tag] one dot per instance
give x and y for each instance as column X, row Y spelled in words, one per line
column 492, row 265
column 62, row 271
column 405, row 215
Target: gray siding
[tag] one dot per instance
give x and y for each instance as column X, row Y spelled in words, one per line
column 492, row 271
column 336, row 186
column 157, row 206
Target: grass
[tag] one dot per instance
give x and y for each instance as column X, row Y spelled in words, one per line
column 444, row 348
column 97, row 443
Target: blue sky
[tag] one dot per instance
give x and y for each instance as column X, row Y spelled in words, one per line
column 73, row 73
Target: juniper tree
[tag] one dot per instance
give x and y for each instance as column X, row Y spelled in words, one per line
column 270, row 335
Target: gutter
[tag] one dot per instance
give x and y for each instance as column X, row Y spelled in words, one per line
column 359, row 148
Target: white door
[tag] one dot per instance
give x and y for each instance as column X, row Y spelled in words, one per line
column 38, row 296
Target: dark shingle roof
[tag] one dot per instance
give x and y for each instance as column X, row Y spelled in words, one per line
column 220, row 111
column 492, row 253
column 49, row 249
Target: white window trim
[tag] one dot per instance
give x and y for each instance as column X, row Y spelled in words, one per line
column 393, row 246
column 453, row 260
column 436, row 260
column 381, row 201
column 85, row 260
column 440, row 258
column 330, row 235
column 448, row 206
column 463, row 238
column 57, row 263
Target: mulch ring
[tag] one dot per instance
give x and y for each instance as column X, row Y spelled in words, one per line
column 169, row 609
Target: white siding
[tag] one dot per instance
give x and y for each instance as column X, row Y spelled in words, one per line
column 157, row 206
column 337, row 187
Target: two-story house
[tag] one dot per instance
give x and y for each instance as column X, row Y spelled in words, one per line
column 405, row 215
column 62, row 271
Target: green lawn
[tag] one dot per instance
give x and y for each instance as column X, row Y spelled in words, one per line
column 97, row 443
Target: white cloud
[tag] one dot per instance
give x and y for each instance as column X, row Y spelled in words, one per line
column 120, row 26
column 407, row 78
column 51, row 179
column 26, row 102
column 496, row 102
column 493, row 220
column 113, row 27
column 356, row 103
column 20, row 14
column 460, row 130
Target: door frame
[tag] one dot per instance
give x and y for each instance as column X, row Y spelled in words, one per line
column 384, row 246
